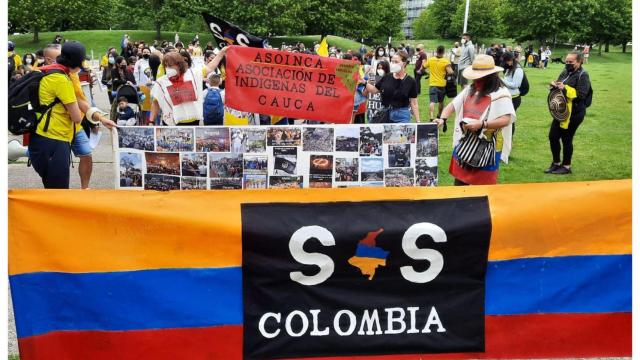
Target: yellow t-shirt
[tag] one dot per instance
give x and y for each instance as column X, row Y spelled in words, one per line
column 60, row 126
column 16, row 59
column 104, row 62
column 437, row 70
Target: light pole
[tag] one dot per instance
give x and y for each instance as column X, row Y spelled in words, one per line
column 466, row 17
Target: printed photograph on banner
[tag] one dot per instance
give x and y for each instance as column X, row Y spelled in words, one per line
column 130, row 170
column 285, row 160
column 225, row 166
column 347, row 169
column 225, row 183
column 320, row 181
column 255, row 181
column 427, row 172
column 399, row 134
column 238, row 141
column 172, row 139
column 318, row 139
column 427, row 145
column 372, row 169
column 210, row 139
column 347, row 138
column 398, row 177
column 256, row 164
column 399, row 155
column 194, row 164
column 163, row 163
column 254, row 140
column 138, row 138
column 193, row 183
column 371, row 140
column 161, row 182
column 373, row 184
column 347, row 185
column 321, row 164
column 283, row 136
column 285, row 182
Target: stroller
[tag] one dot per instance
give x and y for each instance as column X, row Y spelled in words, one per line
column 133, row 96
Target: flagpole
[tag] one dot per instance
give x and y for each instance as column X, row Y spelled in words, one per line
column 466, row 17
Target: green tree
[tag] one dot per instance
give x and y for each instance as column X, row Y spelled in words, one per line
column 534, row 19
column 610, row 22
column 435, row 20
column 483, row 18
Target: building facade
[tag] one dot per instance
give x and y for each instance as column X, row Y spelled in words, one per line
column 413, row 8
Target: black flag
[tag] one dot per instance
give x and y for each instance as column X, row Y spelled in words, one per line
column 227, row 33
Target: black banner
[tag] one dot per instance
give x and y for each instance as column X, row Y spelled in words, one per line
column 364, row 278
column 227, row 33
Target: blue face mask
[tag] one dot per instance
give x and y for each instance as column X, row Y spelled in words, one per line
column 112, row 60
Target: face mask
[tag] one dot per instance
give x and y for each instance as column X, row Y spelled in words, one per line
column 145, row 56
column 112, row 60
column 380, row 53
column 568, row 67
column 463, row 41
column 479, row 84
column 380, row 72
column 28, row 61
column 123, row 66
column 171, row 72
column 395, row 68
column 391, row 53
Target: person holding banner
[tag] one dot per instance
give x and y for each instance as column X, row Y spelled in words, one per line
column 398, row 90
column 178, row 94
column 483, row 111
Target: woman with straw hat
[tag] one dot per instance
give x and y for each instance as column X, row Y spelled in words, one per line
column 483, row 111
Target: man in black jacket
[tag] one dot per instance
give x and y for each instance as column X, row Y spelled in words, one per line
column 575, row 84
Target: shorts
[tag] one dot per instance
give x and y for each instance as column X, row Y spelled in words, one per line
column 461, row 79
column 436, row 94
column 400, row 115
column 51, row 160
column 80, row 144
column 586, row 55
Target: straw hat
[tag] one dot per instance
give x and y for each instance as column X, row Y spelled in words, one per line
column 482, row 66
column 420, row 47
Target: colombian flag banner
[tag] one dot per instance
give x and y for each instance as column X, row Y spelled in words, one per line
column 504, row 271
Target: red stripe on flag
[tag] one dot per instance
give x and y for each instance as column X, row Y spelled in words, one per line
column 517, row 336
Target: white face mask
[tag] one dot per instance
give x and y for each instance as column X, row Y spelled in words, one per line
column 28, row 61
column 392, row 52
column 171, row 72
column 380, row 53
column 395, row 68
column 380, row 72
column 463, row 41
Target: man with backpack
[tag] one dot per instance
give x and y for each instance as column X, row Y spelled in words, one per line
column 213, row 102
column 575, row 85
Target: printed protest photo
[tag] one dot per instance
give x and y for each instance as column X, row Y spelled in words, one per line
column 427, row 145
column 372, row 169
column 226, row 166
column 194, row 164
column 161, row 182
column 347, row 169
column 285, row 182
column 398, row 177
column 321, row 164
column 225, row 183
column 138, row 138
column 212, row 139
column 399, row 134
column 347, row 138
column 174, row 139
column 256, row 164
column 320, row 181
column 399, row 155
column 371, row 140
column 255, row 181
column 427, row 172
column 285, row 160
column 130, row 169
column 163, row 163
column 255, row 140
column 193, row 183
column 238, row 141
column 318, row 139
column 283, row 136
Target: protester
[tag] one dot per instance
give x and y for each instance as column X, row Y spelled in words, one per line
column 438, row 67
column 398, row 89
column 197, row 50
column 178, row 94
column 575, row 84
column 585, row 53
column 513, row 75
column 143, row 76
column 484, row 106
column 16, row 59
column 546, row 56
column 28, row 63
column 467, row 56
column 106, row 74
column 454, row 56
column 57, row 40
column 213, row 110
column 418, row 69
column 120, row 75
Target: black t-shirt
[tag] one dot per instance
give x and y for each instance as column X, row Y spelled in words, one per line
column 395, row 92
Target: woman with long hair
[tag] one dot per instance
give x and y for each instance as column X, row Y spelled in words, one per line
column 484, row 112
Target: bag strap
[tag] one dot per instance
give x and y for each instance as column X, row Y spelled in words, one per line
column 49, row 108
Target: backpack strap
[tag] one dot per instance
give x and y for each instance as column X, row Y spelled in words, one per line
column 49, row 108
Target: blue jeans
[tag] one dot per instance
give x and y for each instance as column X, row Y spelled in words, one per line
column 400, row 115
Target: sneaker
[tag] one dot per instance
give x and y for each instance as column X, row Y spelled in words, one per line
column 553, row 167
column 561, row 170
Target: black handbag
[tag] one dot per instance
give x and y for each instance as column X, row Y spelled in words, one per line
column 451, row 88
column 476, row 150
column 381, row 116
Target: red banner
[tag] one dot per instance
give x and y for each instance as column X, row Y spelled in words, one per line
column 290, row 84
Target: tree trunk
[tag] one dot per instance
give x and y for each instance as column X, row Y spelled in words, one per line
column 599, row 48
column 624, row 45
column 158, row 33
column 36, row 34
column 606, row 47
column 555, row 37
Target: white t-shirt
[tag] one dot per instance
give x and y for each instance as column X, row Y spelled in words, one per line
column 182, row 104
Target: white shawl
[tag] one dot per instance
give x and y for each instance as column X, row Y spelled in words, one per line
column 171, row 114
column 500, row 105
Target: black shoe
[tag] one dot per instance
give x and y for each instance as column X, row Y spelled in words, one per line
column 553, row 167
column 561, row 170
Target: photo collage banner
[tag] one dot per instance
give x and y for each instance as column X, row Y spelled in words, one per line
column 276, row 157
